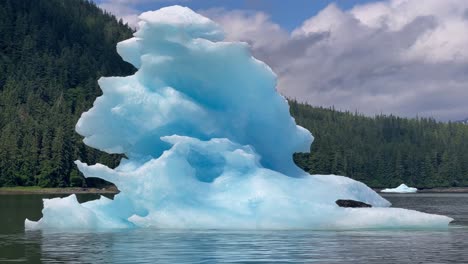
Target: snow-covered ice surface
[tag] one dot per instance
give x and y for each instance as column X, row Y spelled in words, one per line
column 209, row 144
column 400, row 189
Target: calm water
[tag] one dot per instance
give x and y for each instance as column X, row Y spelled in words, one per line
column 157, row 246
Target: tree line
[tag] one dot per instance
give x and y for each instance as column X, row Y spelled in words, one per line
column 384, row 150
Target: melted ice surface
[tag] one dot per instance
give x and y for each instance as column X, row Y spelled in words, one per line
column 209, row 143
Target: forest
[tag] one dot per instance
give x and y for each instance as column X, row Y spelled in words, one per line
column 384, row 150
column 52, row 52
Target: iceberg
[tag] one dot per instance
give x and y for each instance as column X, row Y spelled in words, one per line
column 208, row 144
column 400, row 189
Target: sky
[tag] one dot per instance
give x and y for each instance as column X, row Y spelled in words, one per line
column 402, row 57
column 288, row 15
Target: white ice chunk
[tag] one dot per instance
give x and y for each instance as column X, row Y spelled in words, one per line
column 400, row 189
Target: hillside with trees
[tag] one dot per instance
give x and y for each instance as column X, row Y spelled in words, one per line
column 52, row 52
column 384, row 150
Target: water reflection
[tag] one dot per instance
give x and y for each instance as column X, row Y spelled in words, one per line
column 153, row 246
column 166, row 246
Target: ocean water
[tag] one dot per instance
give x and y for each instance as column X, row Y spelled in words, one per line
column 214, row 246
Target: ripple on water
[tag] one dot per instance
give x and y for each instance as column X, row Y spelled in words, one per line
column 172, row 246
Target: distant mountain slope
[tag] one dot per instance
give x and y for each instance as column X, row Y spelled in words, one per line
column 384, row 150
column 51, row 54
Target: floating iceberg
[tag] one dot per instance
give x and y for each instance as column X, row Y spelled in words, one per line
column 400, row 189
column 208, row 144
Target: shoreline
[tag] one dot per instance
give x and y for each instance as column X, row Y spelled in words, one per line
column 114, row 190
column 69, row 190
column 437, row 190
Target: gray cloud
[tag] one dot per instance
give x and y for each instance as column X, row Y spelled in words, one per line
column 390, row 57
column 397, row 56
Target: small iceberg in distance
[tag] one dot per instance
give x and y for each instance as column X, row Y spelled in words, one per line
column 400, row 189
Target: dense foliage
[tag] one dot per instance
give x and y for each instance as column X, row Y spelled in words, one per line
column 53, row 51
column 51, row 54
column 384, row 150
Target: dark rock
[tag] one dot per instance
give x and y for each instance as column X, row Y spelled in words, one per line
column 351, row 203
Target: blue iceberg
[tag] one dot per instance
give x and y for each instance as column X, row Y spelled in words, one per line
column 208, row 143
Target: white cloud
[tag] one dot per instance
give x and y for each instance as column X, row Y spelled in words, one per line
column 445, row 43
column 252, row 27
column 128, row 9
column 406, row 57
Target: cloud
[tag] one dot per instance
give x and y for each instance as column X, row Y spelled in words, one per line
column 401, row 56
column 405, row 57
column 129, row 10
column 128, row 14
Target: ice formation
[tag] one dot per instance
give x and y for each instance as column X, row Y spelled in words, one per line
column 209, row 144
column 400, row 189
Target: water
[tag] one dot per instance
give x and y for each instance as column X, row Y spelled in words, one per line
column 212, row 246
